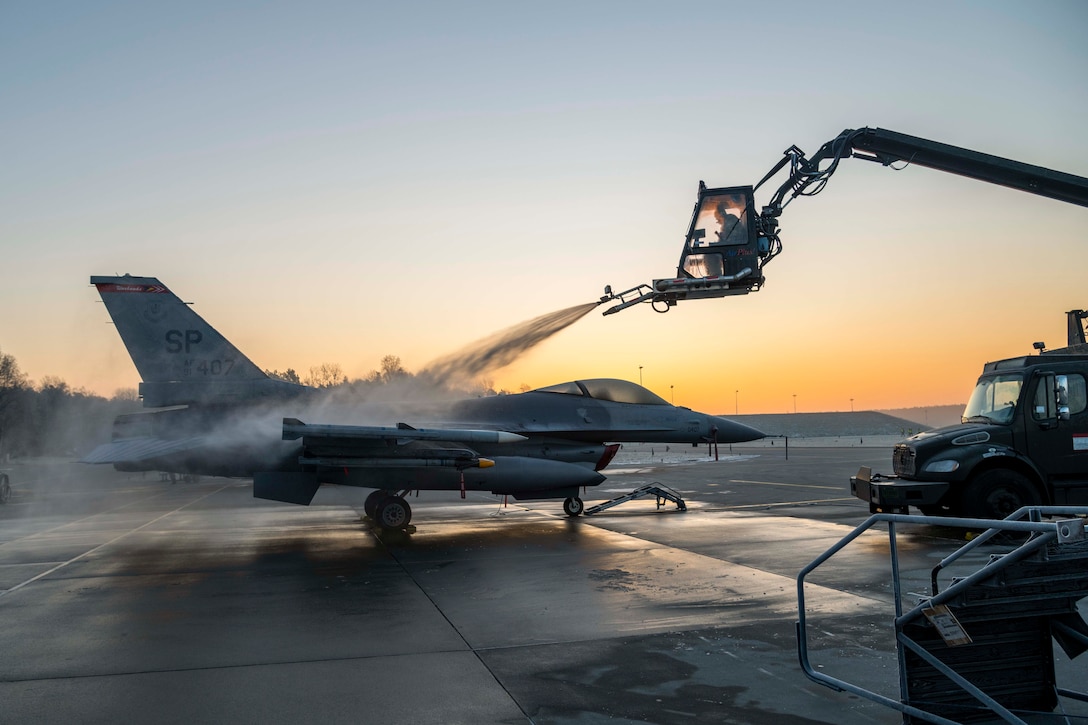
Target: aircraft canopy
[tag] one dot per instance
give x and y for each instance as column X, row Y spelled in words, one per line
column 617, row 391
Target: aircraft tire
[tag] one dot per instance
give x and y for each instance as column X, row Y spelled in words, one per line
column 5, row 489
column 370, row 505
column 393, row 513
column 573, row 506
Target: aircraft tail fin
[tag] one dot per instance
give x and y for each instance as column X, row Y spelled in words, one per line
column 180, row 357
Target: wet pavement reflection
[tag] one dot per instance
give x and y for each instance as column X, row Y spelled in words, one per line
column 127, row 598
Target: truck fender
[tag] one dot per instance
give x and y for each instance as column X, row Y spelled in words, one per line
column 988, row 456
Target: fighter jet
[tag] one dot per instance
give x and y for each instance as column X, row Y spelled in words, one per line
column 214, row 412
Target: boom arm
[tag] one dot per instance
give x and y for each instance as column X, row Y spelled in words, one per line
column 887, row 147
column 807, row 177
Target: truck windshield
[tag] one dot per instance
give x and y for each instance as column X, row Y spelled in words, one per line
column 994, row 399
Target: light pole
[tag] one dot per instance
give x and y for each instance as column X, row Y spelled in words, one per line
column 795, row 402
column 736, row 402
column 640, row 375
column 851, row 405
column 672, row 392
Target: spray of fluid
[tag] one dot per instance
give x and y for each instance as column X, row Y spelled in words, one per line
column 501, row 348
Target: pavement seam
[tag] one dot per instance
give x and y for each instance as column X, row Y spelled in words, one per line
column 107, row 543
column 475, row 652
column 87, row 517
column 209, row 668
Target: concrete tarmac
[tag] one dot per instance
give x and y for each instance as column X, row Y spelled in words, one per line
column 128, row 599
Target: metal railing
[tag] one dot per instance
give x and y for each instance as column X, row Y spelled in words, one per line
column 1041, row 535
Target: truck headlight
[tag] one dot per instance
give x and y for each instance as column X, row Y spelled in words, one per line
column 942, row 466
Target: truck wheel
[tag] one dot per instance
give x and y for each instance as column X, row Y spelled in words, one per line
column 996, row 494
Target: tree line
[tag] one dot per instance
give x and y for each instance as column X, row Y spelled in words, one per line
column 50, row 418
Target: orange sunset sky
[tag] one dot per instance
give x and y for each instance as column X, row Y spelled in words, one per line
column 338, row 182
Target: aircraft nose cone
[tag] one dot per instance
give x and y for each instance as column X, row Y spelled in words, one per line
column 730, row 431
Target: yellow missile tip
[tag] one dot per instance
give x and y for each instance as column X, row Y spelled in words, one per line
column 486, row 463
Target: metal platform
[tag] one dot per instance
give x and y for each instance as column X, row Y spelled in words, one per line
column 660, row 490
column 981, row 649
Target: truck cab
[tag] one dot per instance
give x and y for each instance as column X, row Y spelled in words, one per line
column 1023, row 441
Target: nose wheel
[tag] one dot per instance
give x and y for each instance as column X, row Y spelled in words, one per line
column 573, row 507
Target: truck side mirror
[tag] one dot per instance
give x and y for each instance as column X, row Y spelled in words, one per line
column 1061, row 396
column 1044, row 405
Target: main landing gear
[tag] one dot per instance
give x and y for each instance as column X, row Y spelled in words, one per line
column 388, row 509
column 573, row 506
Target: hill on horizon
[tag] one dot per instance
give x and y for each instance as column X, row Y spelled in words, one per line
column 932, row 416
column 869, row 422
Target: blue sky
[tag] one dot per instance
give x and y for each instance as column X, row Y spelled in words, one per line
column 334, row 182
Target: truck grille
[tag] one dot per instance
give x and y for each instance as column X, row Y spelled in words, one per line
column 903, row 460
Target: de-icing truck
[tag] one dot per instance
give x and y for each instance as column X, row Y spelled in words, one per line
column 1024, row 435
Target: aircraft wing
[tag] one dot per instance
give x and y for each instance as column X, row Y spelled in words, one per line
column 406, row 458
column 355, row 446
column 133, row 450
column 294, row 429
